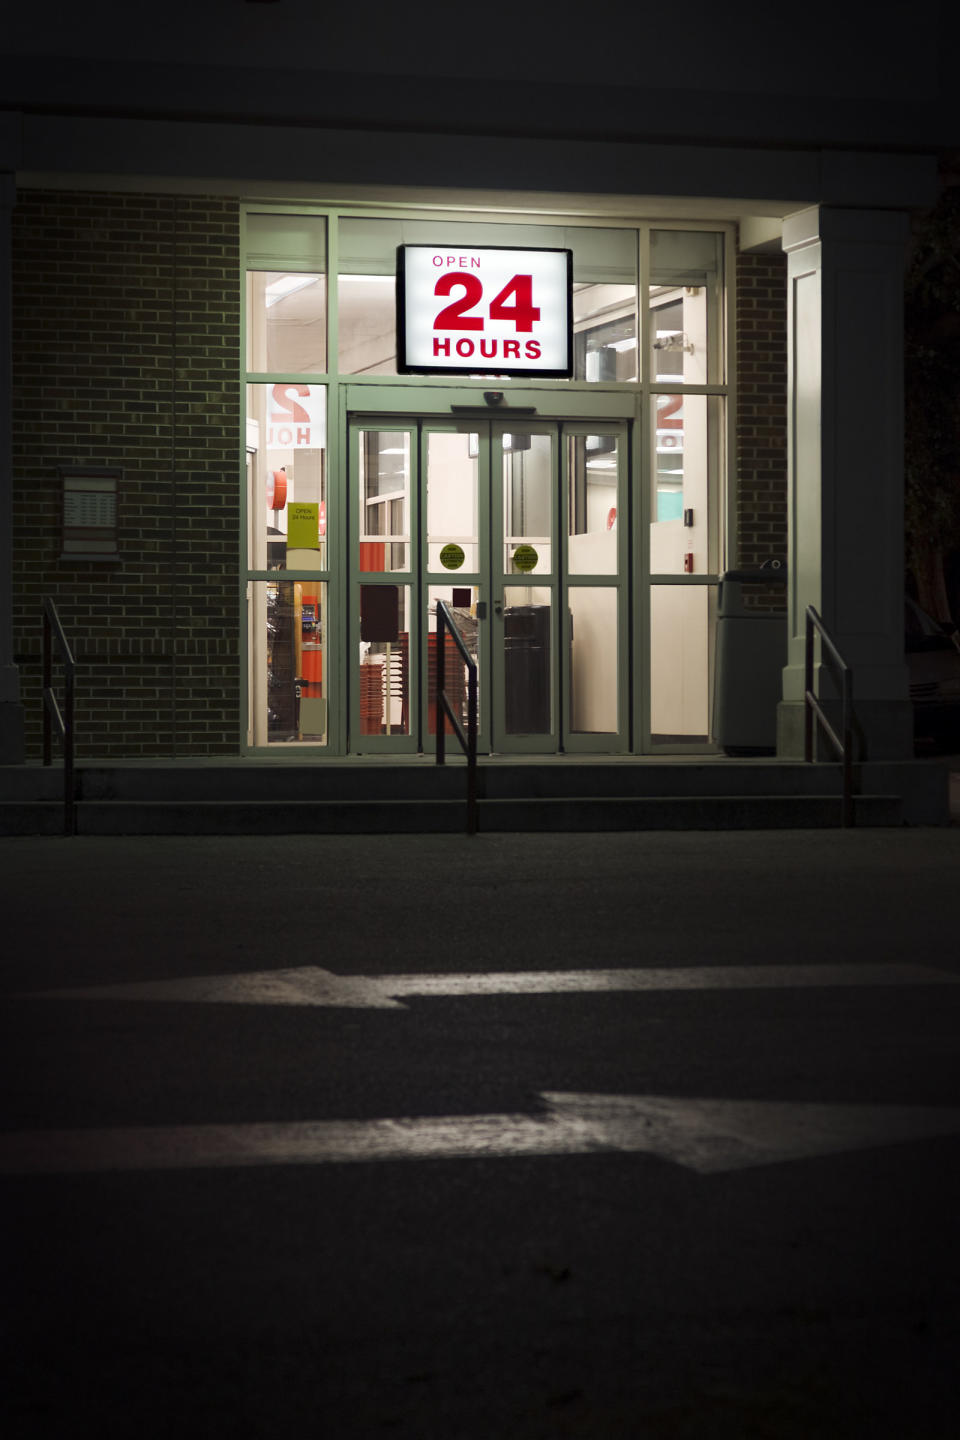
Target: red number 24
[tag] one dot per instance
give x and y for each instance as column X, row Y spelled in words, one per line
column 522, row 312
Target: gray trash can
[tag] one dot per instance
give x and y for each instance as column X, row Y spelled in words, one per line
column 751, row 654
column 526, row 657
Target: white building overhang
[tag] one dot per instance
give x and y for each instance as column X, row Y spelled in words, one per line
column 590, row 177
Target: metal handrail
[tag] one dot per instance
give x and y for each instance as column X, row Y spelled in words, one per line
column 468, row 742
column 64, row 720
column 843, row 743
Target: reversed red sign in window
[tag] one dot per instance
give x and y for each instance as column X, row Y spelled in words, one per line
column 296, row 418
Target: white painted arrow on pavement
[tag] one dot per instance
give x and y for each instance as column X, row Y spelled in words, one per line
column 708, row 1136
column 310, row 985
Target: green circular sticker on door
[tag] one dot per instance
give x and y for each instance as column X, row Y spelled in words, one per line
column 452, row 557
column 525, row 559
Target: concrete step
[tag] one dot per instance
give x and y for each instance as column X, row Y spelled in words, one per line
column 233, row 796
column 420, row 779
column 684, row 812
column 427, row 816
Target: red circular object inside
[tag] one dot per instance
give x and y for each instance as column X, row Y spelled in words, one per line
column 276, row 490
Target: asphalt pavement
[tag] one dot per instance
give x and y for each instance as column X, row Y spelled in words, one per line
column 702, row 1182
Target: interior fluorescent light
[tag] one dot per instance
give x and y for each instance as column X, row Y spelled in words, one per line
column 288, row 285
column 629, row 344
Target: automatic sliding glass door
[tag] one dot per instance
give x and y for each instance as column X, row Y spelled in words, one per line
column 520, row 527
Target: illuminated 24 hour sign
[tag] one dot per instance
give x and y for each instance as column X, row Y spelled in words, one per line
column 484, row 311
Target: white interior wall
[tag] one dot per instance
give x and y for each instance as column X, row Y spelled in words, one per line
column 451, row 498
column 594, row 648
column 679, row 660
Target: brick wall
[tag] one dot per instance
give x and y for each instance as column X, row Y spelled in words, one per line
column 126, row 344
column 761, row 478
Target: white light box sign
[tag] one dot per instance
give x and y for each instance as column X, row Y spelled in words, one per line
column 484, row 311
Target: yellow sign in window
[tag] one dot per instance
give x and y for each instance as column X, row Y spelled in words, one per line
column 303, row 526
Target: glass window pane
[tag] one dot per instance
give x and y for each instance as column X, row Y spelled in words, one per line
column 384, row 479
column 286, row 322
column 288, row 671
column 592, row 503
column 367, row 324
column 593, row 658
column 527, row 504
column 384, row 660
column 286, row 454
column 686, row 269
column 685, row 433
column 681, row 643
column 605, row 332
column 452, row 522
column 604, row 304
column 462, row 600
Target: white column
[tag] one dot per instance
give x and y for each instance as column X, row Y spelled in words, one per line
column 845, row 273
column 11, row 711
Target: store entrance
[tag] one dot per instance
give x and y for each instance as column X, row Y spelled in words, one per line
column 519, row 525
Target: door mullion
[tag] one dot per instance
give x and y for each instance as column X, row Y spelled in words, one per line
column 456, row 520
column 594, row 585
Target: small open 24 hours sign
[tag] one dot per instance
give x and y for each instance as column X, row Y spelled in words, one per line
column 484, row 311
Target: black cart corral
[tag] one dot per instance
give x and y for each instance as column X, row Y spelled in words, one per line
column 751, row 654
